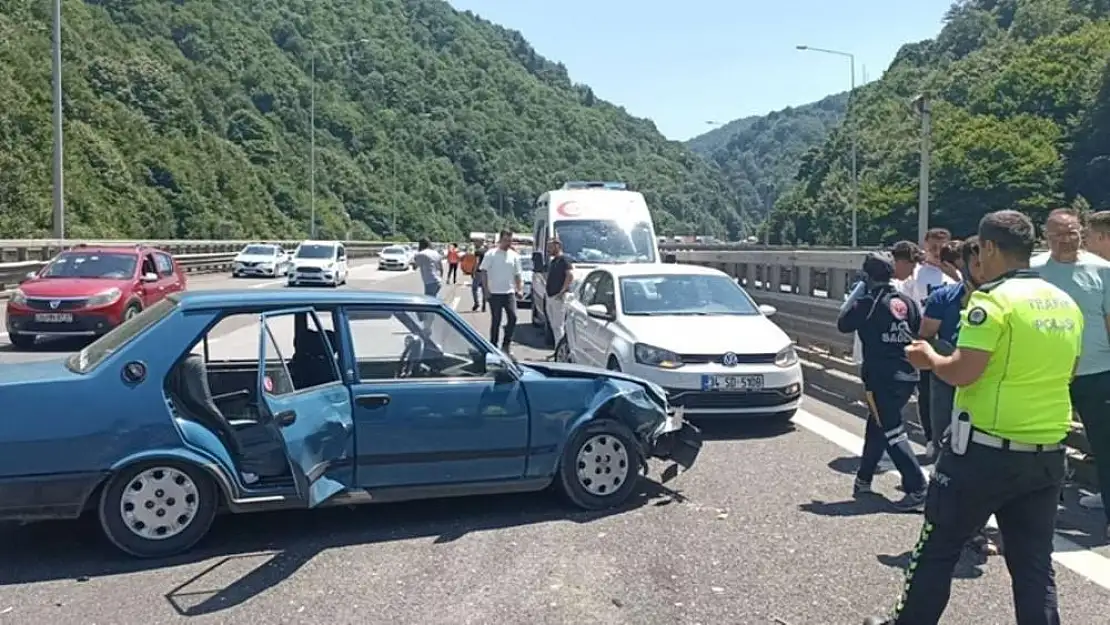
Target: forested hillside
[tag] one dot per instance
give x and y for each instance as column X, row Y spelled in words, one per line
column 190, row 118
column 1021, row 119
column 760, row 154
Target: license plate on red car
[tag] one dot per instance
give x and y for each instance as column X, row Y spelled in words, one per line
column 53, row 318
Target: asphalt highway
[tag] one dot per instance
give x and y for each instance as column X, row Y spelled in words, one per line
column 763, row 530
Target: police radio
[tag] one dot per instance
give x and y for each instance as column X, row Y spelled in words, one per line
column 961, row 432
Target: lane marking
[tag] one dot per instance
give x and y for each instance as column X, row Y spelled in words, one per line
column 455, row 302
column 1085, row 562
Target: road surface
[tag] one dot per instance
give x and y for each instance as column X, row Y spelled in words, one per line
column 763, row 530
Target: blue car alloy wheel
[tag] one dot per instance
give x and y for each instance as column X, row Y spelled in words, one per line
column 158, row 509
column 600, row 466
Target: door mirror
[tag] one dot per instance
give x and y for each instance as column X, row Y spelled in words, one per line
column 599, row 311
column 670, row 259
column 31, row 275
column 767, row 310
column 537, row 261
column 498, row 367
column 150, row 277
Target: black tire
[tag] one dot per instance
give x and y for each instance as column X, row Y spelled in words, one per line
column 117, row 531
column 576, row 488
column 22, row 341
column 132, row 309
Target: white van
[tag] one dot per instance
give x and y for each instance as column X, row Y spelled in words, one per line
column 321, row 263
column 598, row 223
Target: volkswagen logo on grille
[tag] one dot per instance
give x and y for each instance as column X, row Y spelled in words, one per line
column 54, row 304
column 729, row 360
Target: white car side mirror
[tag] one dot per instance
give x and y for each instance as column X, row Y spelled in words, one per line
column 767, row 310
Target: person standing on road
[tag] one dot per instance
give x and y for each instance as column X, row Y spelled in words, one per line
column 929, row 275
column 503, row 283
column 1017, row 350
column 886, row 322
column 559, row 278
column 453, row 264
column 478, row 281
column 940, row 325
column 1086, row 278
column 430, row 264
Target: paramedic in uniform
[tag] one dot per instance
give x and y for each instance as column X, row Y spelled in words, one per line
column 886, row 322
column 1017, row 350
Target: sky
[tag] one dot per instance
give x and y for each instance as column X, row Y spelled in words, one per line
column 683, row 63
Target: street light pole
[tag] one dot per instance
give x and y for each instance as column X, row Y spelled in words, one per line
column 59, row 179
column 855, row 152
column 312, row 148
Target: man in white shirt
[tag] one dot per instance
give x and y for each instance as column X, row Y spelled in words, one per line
column 502, row 274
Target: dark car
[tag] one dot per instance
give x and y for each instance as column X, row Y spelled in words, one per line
column 267, row 400
column 88, row 290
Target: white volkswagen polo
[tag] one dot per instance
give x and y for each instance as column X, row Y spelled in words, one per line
column 692, row 330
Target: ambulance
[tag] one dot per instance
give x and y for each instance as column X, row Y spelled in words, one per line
column 598, row 223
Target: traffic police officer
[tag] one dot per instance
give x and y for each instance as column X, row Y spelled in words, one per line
column 1017, row 350
column 886, row 322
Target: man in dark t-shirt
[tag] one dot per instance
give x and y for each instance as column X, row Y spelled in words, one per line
column 476, row 279
column 559, row 277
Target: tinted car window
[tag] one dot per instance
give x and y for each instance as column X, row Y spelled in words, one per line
column 164, row 263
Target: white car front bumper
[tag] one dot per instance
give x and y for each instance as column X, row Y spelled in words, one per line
column 780, row 392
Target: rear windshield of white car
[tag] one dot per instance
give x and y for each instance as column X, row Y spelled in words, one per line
column 394, row 250
column 99, row 350
column 684, row 295
column 315, row 251
column 258, row 250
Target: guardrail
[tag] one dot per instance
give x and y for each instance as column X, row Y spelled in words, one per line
column 807, row 286
column 18, row 258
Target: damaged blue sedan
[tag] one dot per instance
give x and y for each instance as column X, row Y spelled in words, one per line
column 250, row 401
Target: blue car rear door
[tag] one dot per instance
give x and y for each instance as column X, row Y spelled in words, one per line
column 303, row 394
column 427, row 412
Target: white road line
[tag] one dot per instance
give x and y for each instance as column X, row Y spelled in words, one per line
column 455, row 302
column 1068, row 554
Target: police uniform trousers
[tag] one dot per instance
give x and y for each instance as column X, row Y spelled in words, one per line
column 1022, row 490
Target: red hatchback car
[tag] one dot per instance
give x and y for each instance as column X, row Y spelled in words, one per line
column 88, row 290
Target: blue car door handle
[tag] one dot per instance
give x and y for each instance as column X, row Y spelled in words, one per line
column 286, row 418
column 372, row 401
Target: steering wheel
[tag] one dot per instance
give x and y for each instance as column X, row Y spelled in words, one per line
column 410, row 356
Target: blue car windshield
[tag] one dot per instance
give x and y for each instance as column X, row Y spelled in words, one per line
column 99, row 350
column 676, row 294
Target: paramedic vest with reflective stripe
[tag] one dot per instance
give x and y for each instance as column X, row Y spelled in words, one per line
column 1033, row 332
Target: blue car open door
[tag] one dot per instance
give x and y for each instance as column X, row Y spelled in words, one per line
column 303, row 395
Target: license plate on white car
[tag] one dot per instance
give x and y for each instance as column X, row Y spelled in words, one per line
column 742, row 383
column 54, row 318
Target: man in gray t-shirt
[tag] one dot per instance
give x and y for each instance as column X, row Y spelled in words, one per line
column 430, row 264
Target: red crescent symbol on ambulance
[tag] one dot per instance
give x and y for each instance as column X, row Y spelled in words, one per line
column 570, row 208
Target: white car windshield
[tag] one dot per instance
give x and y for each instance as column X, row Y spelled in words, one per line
column 394, row 251
column 684, row 295
column 606, row 241
column 316, row 251
column 258, row 250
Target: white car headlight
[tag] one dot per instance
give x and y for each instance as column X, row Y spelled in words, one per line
column 787, row 357
column 656, row 357
column 104, row 298
column 18, row 297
